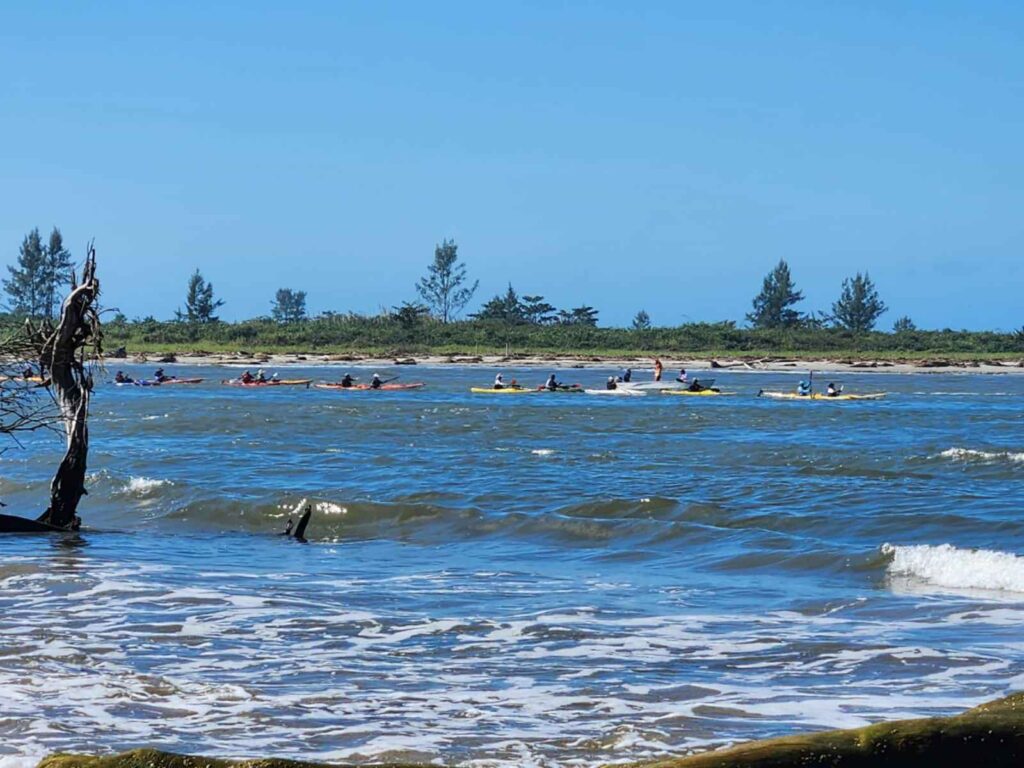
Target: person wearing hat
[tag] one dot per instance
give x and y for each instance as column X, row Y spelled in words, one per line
column 803, row 389
column 376, row 383
column 611, row 383
column 261, row 377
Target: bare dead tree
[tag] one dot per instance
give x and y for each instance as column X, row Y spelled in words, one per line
column 64, row 357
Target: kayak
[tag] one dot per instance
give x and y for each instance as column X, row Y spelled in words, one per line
column 268, row 383
column 573, row 390
column 819, row 396
column 502, row 391
column 365, row 387
column 29, row 380
column 702, row 393
column 616, row 392
column 155, row 383
column 165, row 382
column 664, row 386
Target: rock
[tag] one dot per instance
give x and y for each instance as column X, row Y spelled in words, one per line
column 119, row 354
column 140, row 358
column 171, row 358
column 991, row 735
column 465, row 360
column 405, row 361
column 715, row 364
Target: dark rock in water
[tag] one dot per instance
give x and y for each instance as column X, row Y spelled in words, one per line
column 171, row 358
column 991, row 735
column 119, row 354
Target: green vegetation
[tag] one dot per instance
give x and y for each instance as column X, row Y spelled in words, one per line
column 407, row 330
column 859, row 307
column 37, row 281
column 199, row 302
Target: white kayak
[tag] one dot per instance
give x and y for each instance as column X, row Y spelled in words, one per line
column 620, row 392
column 664, row 386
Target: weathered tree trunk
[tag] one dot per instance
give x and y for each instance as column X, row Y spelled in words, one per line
column 63, row 358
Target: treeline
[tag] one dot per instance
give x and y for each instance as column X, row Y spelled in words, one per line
column 507, row 322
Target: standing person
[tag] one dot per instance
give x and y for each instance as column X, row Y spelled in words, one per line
column 499, row 381
column 658, row 368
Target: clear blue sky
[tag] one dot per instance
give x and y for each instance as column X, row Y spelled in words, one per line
column 658, row 155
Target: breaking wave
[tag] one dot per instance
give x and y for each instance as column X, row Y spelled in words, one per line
column 954, row 568
column 987, row 457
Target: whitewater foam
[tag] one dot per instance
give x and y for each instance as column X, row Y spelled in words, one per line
column 970, row 454
column 142, row 486
column 954, row 568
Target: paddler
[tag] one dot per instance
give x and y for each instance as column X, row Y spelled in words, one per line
column 681, row 378
column 611, row 383
column 121, row 378
column 552, row 384
column 160, row 376
column 499, row 381
column 803, row 389
column 261, row 377
column 658, row 368
column 627, row 375
column 246, row 378
column 376, row 383
column 347, row 381
column 832, row 390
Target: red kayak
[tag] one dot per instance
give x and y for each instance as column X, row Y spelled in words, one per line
column 365, row 387
column 267, row 383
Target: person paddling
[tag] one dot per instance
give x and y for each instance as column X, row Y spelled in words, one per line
column 611, row 383
column 160, row 376
column 376, row 383
column 832, row 390
column 627, row 375
column 803, row 389
column 681, row 378
column 246, row 378
column 552, row 384
column 121, row 378
column 499, row 381
column 347, row 381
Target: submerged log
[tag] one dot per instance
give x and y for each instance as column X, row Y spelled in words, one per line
column 991, row 735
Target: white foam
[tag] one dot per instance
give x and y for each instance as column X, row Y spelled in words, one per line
column 969, row 454
column 142, row 486
column 954, row 568
column 542, row 451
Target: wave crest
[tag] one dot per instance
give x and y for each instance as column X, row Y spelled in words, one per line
column 954, row 568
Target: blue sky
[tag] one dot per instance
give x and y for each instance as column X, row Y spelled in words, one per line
column 657, row 155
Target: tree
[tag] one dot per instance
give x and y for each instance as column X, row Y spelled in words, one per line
column 289, row 306
column 858, row 306
column 444, row 288
column 507, row 308
column 409, row 315
column 578, row 316
column 199, row 302
column 642, row 321
column 904, row 325
column 536, row 311
column 57, row 272
column 26, row 286
column 773, row 305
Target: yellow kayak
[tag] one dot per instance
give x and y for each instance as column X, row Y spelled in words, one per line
column 688, row 393
column 502, row 391
column 819, row 396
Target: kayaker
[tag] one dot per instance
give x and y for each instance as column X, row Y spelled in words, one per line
column 160, row 376
column 681, row 378
column 499, row 381
column 696, row 386
column 611, row 383
column 347, row 381
column 803, row 389
column 28, row 373
column 246, row 378
column 832, row 390
column 552, row 384
column 261, row 377
column 627, row 375
column 275, row 378
column 121, row 378
column 658, row 368
column 376, row 383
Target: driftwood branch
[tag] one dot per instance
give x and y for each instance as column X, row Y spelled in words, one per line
column 63, row 358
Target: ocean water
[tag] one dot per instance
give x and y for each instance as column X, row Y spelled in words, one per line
column 545, row 580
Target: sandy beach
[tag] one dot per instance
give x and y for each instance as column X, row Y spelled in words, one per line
column 639, row 365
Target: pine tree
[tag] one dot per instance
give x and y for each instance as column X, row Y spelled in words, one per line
column 199, row 301
column 57, row 272
column 445, row 288
column 904, row 325
column 642, row 321
column 27, row 286
column 289, row 306
column 773, row 306
column 858, row 307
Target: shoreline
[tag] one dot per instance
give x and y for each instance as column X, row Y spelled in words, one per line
column 638, row 364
